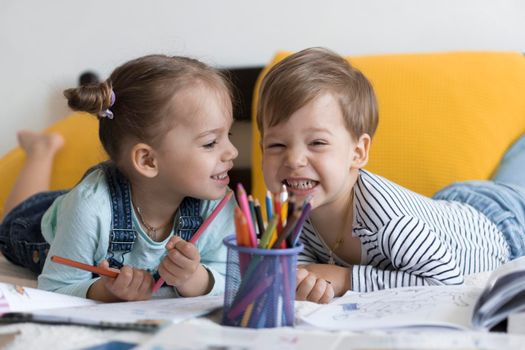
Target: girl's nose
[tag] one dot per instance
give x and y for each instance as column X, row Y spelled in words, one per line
column 231, row 152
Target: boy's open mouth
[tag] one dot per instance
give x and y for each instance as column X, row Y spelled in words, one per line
column 300, row 184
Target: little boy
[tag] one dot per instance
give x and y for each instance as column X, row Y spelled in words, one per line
column 317, row 115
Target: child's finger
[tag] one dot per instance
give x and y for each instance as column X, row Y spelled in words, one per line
column 305, row 287
column 188, row 250
column 136, row 281
column 147, row 284
column 300, row 275
column 317, row 291
column 107, row 280
column 104, row 264
column 328, row 294
column 180, row 261
column 169, row 275
column 123, row 279
column 172, row 242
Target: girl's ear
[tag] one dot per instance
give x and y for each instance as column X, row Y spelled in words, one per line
column 361, row 150
column 144, row 160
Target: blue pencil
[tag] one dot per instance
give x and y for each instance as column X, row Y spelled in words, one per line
column 269, row 206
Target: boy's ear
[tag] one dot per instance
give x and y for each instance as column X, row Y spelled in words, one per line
column 144, row 160
column 361, row 150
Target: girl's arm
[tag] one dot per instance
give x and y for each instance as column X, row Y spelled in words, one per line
column 72, row 229
column 212, row 249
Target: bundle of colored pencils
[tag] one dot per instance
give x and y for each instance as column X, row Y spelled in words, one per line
column 284, row 217
column 264, row 285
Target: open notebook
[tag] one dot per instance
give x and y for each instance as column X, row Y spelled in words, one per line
column 460, row 307
column 21, row 304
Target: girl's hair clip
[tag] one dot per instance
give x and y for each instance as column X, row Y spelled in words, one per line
column 107, row 113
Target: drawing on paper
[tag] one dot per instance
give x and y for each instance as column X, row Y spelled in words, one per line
column 402, row 301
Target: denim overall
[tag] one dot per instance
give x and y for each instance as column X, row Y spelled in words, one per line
column 21, row 239
column 502, row 200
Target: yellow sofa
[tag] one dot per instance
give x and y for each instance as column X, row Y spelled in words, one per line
column 443, row 117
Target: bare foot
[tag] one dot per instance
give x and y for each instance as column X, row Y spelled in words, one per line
column 40, row 143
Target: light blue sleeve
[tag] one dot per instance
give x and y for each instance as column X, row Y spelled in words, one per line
column 73, row 227
column 210, row 244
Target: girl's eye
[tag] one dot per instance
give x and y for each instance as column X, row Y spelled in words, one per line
column 210, row 145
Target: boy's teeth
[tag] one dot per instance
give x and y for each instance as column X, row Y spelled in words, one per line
column 301, row 184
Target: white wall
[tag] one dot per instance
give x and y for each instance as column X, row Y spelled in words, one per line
column 44, row 45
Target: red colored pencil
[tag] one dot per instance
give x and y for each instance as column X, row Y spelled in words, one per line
column 79, row 265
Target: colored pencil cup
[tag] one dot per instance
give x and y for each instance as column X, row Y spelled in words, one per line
column 260, row 286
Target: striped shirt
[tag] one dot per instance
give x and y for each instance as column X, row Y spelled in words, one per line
column 411, row 240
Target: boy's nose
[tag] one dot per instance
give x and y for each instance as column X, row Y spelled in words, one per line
column 295, row 159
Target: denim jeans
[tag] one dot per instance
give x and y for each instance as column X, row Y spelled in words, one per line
column 501, row 200
column 21, row 239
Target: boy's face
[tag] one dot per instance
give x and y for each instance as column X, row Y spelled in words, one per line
column 313, row 153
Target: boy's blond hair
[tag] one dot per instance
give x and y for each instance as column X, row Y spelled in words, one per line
column 307, row 74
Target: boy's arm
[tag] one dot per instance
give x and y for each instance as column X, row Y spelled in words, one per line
column 409, row 254
column 307, row 256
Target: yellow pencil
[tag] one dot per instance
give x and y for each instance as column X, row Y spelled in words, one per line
column 246, row 316
column 284, row 213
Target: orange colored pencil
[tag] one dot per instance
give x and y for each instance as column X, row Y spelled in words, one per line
column 82, row 266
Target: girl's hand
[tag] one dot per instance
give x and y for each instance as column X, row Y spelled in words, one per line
column 311, row 287
column 131, row 284
column 181, row 262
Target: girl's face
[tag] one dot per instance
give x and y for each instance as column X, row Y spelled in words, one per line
column 196, row 154
column 312, row 153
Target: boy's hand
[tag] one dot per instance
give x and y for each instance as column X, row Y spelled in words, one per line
column 181, row 262
column 311, row 287
column 131, row 284
column 338, row 276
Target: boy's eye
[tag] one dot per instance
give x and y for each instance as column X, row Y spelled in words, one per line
column 210, row 145
column 275, row 145
column 318, row 143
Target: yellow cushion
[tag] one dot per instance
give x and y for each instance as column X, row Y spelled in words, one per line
column 443, row 117
column 82, row 150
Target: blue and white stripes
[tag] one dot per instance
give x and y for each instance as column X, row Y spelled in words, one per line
column 411, row 240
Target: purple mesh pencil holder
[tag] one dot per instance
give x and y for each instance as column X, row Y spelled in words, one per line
column 260, row 286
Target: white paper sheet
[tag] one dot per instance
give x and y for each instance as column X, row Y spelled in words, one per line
column 15, row 298
column 156, row 311
column 435, row 306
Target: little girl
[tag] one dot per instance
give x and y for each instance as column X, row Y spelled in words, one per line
column 164, row 122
